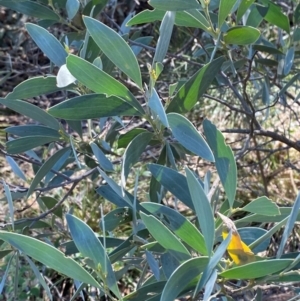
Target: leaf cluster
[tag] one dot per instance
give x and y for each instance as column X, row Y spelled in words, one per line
column 87, row 137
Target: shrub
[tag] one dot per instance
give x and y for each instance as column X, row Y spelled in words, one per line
column 177, row 246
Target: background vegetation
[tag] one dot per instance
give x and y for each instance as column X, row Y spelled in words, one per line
column 141, row 134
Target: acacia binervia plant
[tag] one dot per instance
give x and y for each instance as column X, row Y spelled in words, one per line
column 124, row 115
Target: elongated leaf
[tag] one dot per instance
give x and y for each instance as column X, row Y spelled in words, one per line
column 45, row 168
column 254, row 18
column 153, row 264
column 10, row 204
column 92, row 106
column 289, row 225
column 210, row 285
column 297, row 13
column 257, row 218
column 116, row 218
column 90, row 246
column 24, row 144
column 125, row 196
column 3, row 253
column 102, row 160
column 115, row 48
column 182, row 276
column 146, row 16
column 180, row 225
column 186, row 134
column 263, row 206
column 15, row 168
column 39, row 276
column 31, row 111
column 173, row 181
column 190, row 18
column 165, row 32
column 57, row 166
column 132, row 153
column 169, row 264
column 203, row 210
column 224, row 159
column 108, row 193
column 99, row 81
column 72, row 7
column 273, row 14
column 165, row 237
column 174, row 5
column 241, row 35
column 32, row 130
column 48, row 44
column 49, row 256
column 156, row 106
column 4, row 277
column 244, row 5
column 50, row 202
column 256, row 269
column 34, row 87
column 141, row 40
column 111, row 242
column 193, row 89
column 31, row 8
column 125, row 139
column 268, row 49
column 289, row 61
column 146, row 292
column 224, row 10
column 252, row 234
column 213, row 261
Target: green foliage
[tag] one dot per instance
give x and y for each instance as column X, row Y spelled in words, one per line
column 175, row 255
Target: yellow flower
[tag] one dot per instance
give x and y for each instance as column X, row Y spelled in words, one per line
column 239, row 252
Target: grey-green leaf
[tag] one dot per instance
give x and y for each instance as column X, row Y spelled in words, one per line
column 289, row 225
column 224, row 10
column 115, row 48
column 180, row 225
column 182, row 276
column 24, row 144
column 156, row 106
column 241, row 35
column 195, row 87
column 263, row 206
column 174, row 5
column 102, row 159
column 45, row 168
column 92, row 106
column 34, row 86
column 186, row 134
column 203, row 210
column 224, row 159
column 49, row 256
column 31, row 8
column 15, row 168
column 31, row 111
column 244, row 5
column 72, row 7
column 165, row 237
column 165, row 32
column 90, row 246
column 190, row 18
column 48, row 44
column 133, row 152
column 32, row 130
column 99, row 81
column 170, row 179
